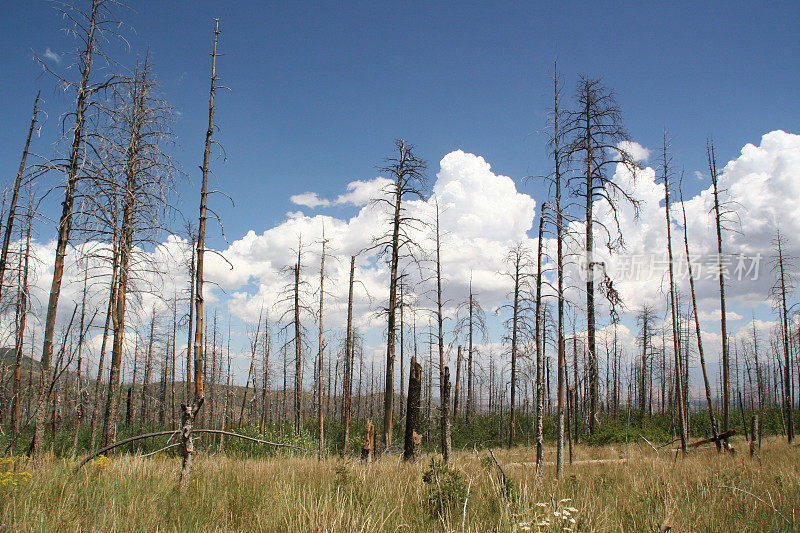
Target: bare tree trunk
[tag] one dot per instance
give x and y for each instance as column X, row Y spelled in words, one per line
column 101, row 361
column 674, row 311
column 190, row 330
column 320, row 417
column 712, row 166
column 701, row 354
column 788, row 401
column 514, row 323
column 458, row 384
column 22, row 313
column 444, row 371
column 413, row 439
column 64, row 227
column 470, row 376
column 251, row 370
column 265, row 380
column 188, row 413
column 79, row 373
column 406, row 169
column 539, row 349
column 15, row 194
column 125, row 250
column 402, row 351
column 561, row 341
column 298, row 373
column 347, row 389
column 148, row 368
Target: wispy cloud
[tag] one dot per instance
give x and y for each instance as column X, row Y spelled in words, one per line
column 309, row 199
column 52, row 56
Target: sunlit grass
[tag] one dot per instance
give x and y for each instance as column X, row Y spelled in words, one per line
column 702, row 492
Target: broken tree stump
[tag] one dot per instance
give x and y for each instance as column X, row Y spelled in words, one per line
column 368, row 448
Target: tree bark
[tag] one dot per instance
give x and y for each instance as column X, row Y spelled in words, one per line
column 413, row 438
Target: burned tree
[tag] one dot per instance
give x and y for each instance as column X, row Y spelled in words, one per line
column 719, row 214
column 666, row 175
column 347, row 386
column 188, row 413
column 407, row 173
column 518, row 260
column 597, row 143
column 783, row 287
column 18, row 182
column 700, row 352
column 470, row 320
column 89, row 28
column 141, row 129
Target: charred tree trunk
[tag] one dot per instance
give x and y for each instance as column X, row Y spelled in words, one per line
column 413, row 438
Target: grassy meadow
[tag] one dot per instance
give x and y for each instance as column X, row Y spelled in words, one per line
column 702, row 492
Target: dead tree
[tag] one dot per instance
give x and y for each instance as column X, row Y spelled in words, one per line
column 646, row 319
column 21, row 316
column 700, row 352
column 89, row 29
column 666, row 174
column 540, row 345
column 457, row 392
column 347, row 387
column 784, row 285
column 407, row 173
column 188, row 413
column 518, row 260
column 12, row 208
column 470, row 319
column 265, row 407
column 413, row 438
column 718, row 216
column 444, row 371
column 251, row 371
column 320, row 359
column 597, row 144
column 139, row 131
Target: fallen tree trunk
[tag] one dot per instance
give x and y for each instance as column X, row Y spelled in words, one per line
column 722, row 436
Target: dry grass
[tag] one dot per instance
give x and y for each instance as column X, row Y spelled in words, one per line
column 303, row 494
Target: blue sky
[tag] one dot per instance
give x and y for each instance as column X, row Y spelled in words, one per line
column 320, row 90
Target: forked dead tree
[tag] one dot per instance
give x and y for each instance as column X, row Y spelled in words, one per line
column 666, row 175
column 700, row 352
